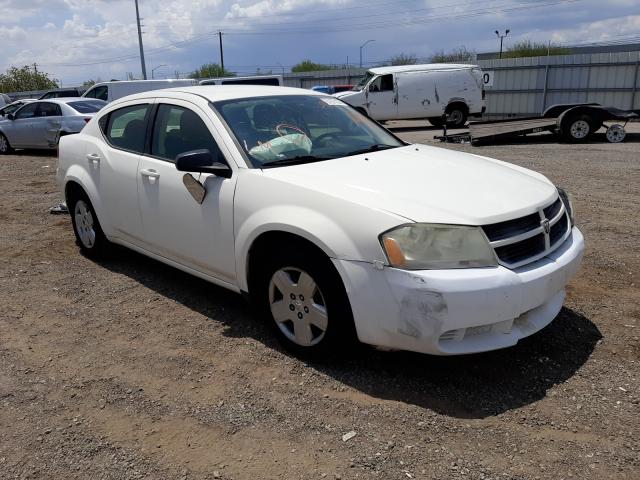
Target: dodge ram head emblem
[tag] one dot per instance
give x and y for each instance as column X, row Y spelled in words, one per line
column 545, row 226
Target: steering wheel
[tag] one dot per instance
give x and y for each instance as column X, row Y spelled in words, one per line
column 324, row 136
column 281, row 126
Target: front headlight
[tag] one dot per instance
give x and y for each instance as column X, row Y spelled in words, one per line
column 568, row 204
column 423, row 246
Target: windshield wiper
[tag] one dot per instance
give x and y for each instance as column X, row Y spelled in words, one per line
column 297, row 160
column 372, row 148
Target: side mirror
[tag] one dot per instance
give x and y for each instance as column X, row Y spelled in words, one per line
column 201, row 161
column 11, row 116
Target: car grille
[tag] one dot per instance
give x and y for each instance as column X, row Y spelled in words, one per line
column 529, row 238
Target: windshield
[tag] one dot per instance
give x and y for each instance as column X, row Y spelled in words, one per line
column 87, row 106
column 368, row 76
column 286, row 129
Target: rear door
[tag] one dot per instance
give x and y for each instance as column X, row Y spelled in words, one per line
column 46, row 125
column 113, row 166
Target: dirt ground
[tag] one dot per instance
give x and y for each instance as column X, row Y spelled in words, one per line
column 130, row 369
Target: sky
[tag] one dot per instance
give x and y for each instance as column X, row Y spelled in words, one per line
column 78, row 40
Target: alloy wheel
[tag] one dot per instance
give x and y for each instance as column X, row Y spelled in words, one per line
column 84, row 224
column 298, row 306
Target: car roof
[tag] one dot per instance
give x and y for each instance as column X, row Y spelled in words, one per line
column 65, row 100
column 214, row 93
column 418, row 68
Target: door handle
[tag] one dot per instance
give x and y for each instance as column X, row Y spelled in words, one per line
column 93, row 158
column 149, row 172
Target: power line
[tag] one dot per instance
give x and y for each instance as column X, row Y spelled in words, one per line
column 366, row 26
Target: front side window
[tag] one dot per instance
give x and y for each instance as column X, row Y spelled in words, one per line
column 49, row 110
column 101, row 93
column 283, row 129
column 177, row 130
column 126, row 127
column 383, row 83
column 28, row 111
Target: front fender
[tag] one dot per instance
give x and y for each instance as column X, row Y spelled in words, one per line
column 304, row 222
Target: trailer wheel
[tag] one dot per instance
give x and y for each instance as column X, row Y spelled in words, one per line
column 616, row 133
column 577, row 128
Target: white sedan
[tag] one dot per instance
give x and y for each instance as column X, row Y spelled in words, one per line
column 336, row 228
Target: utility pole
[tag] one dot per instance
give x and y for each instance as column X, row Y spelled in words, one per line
column 501, row 37
column 144, row 68
column 221, row 54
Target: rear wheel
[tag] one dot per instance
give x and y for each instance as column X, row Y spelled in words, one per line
column 89, row 235
column 436, row 121
column 5, row 147
column 303, row 297
column 456, row 117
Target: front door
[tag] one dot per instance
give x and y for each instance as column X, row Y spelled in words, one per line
column 19, row 131
column 382, row 103
column 176, row 226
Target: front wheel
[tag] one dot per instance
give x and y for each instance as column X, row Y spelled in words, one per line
column 303, row 296
column 89, row 235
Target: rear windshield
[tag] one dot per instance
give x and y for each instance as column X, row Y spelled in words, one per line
column 87, row 106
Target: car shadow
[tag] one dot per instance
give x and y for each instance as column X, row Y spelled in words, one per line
column 35, row 152
column 470, row 386
column 414, row 128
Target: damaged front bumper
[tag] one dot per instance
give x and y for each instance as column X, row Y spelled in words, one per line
column 458, row 311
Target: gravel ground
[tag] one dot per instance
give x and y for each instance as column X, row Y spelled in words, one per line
column 130, row 369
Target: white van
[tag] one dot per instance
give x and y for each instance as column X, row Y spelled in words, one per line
column 110, row 91
column 274, row 80
column 420, row 91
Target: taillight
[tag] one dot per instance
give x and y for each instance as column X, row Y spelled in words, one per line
column 483, row 94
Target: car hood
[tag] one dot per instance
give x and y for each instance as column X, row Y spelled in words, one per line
column 427, row 184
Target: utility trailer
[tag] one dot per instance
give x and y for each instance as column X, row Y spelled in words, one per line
column 574, row 123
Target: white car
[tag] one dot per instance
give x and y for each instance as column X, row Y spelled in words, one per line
column 332, row 225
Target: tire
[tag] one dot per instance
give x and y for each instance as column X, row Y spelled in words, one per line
column 302, row 297
column 577, row 128
column 436, row 121
column 456, row 117
column 89, row 235
column 5, row 147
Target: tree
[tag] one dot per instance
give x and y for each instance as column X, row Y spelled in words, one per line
column 90, row 83
column 309, row 66
column 403, row 59
column 211, row 70
column 527, row 48
column 25, row 79
column 460, row 54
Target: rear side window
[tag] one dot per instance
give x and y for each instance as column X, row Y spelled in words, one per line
column 125, row 128
column 178, row 130
column 49, row 110
column 87, row 106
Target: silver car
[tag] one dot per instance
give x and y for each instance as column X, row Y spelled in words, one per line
column 40, row 124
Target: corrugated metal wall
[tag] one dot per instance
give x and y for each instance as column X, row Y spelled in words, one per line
column 526, row 86
column 325, row 77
